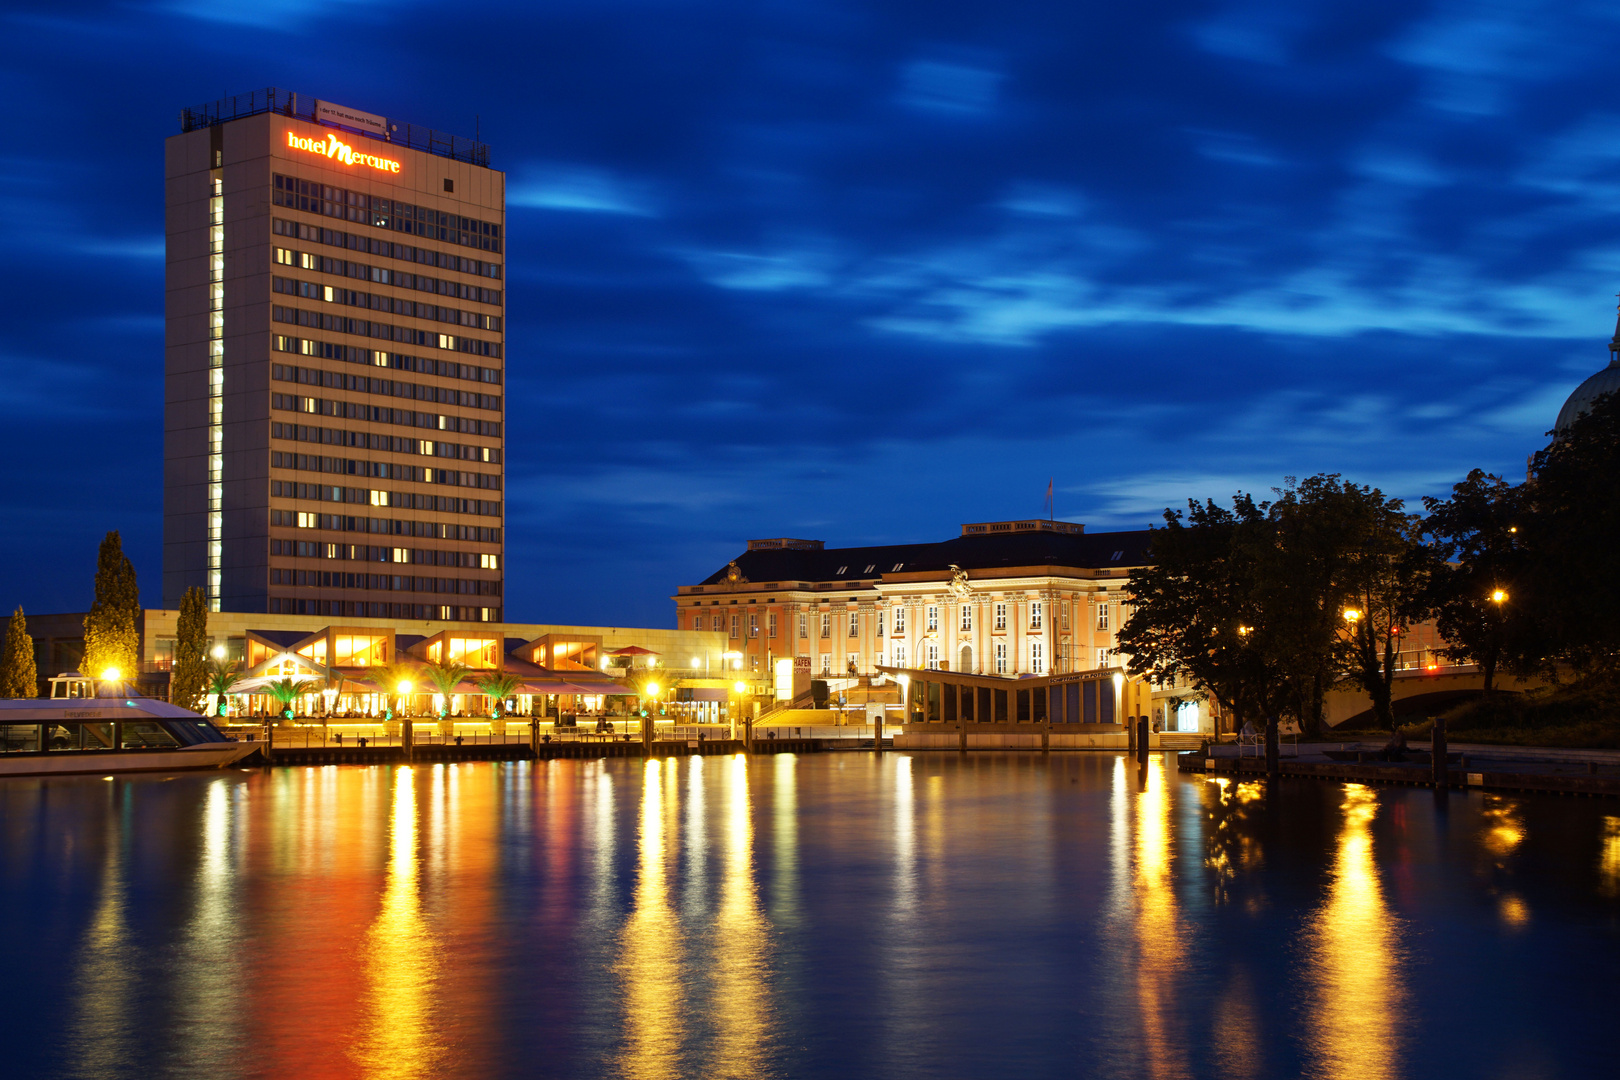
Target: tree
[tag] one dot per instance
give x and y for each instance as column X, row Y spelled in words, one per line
column 1194, row 613
column 111, row 640
column 1571, row 582
column 18, row 679
column 390, row 677
column 190, row 673
column 445, row 677
column 221, row 677
column 1476, row 531
column 499, row 685
column 285, row 691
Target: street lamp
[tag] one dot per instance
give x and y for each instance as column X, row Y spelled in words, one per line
column 1352, row 616
column 219, row 652
column 1498, row 596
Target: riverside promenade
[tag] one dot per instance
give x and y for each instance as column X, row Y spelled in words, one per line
column 1551, row 770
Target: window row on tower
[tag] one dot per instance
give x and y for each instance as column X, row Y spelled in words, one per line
column 314, row 197
column 408, row 335
column 382, row 275
column 371, row 440
column 352, row 354
column 354, row 410
column 443, row 260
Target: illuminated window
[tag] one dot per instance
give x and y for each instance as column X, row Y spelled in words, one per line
column 1037, row 657
column 352, row 650
column 1001, row 616
column 734, row 626
column 899, row 620
column 1102, row 616
column 933, row 656
column 1001, row 658
column 770, row 624
column 826, row 624
column 854, row 624
column 804, row 625
column 826, row 663
column 967, row 617
column 1035, row 615
column 315, row 651
column 753, row 626
column 477, row 653
column 899, row 650
column 880, row 623
column 933, row 618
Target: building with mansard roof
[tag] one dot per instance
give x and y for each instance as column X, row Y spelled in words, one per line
column 1002, row 598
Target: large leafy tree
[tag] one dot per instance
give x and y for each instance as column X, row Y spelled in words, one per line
column 18, row 679
column 1194, row 612
column 1571, row 580
column 189, row 677
column 111, row 637
column 1477, row 591
column 1246, row 604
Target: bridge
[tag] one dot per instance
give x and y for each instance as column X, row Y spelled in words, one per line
column 1423, row 691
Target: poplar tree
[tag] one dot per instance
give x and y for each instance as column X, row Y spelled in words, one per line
column 189, row 678
column 18, row 679
column 111, row 639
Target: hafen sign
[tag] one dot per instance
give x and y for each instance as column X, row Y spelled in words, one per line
column 337, row 150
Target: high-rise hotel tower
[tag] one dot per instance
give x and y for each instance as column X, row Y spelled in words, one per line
column 334, row 414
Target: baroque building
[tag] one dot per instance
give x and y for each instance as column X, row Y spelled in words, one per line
column 1003, row 598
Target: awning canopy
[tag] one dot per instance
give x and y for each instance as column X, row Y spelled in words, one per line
column 633, row 650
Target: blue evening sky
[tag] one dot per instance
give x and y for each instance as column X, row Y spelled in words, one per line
column 861, row 272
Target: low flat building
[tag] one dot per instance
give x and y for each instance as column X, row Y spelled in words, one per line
column 269, row 646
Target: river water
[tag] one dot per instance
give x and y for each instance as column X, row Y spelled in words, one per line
column 827, row 915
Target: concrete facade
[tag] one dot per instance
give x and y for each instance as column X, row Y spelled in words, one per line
column 316, row 279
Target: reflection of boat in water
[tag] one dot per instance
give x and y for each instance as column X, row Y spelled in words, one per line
column 62, row 736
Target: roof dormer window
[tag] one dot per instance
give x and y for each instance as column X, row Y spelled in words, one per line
column 842, row 570
column 871, row 568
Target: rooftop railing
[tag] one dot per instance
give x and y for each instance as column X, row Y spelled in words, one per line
column 287, row 103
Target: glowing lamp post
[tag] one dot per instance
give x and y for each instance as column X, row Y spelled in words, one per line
column 649, row 702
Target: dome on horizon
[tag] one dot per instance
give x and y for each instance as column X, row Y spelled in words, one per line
column 1606, row 381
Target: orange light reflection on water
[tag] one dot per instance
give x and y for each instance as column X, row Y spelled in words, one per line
column 652, row 951
column 1160, row 936
column 1357, row 998
column 401, row 1038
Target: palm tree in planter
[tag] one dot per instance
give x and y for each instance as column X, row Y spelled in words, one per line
column 445, row 677
column 285, row 692
column 499, row 685
column 396, row 682
column 221, row 677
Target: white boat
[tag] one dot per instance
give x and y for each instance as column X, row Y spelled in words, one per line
column 65, row 736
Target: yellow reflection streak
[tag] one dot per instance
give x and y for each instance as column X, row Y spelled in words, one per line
column 1357, row 1004
column 742, row 1009
column 403, row 964
column 1504, row 828
column 1609, row 858
column 107, row 973
column 216, row 981
column 785, row 819
column 651, row 954
column 1159, row 933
